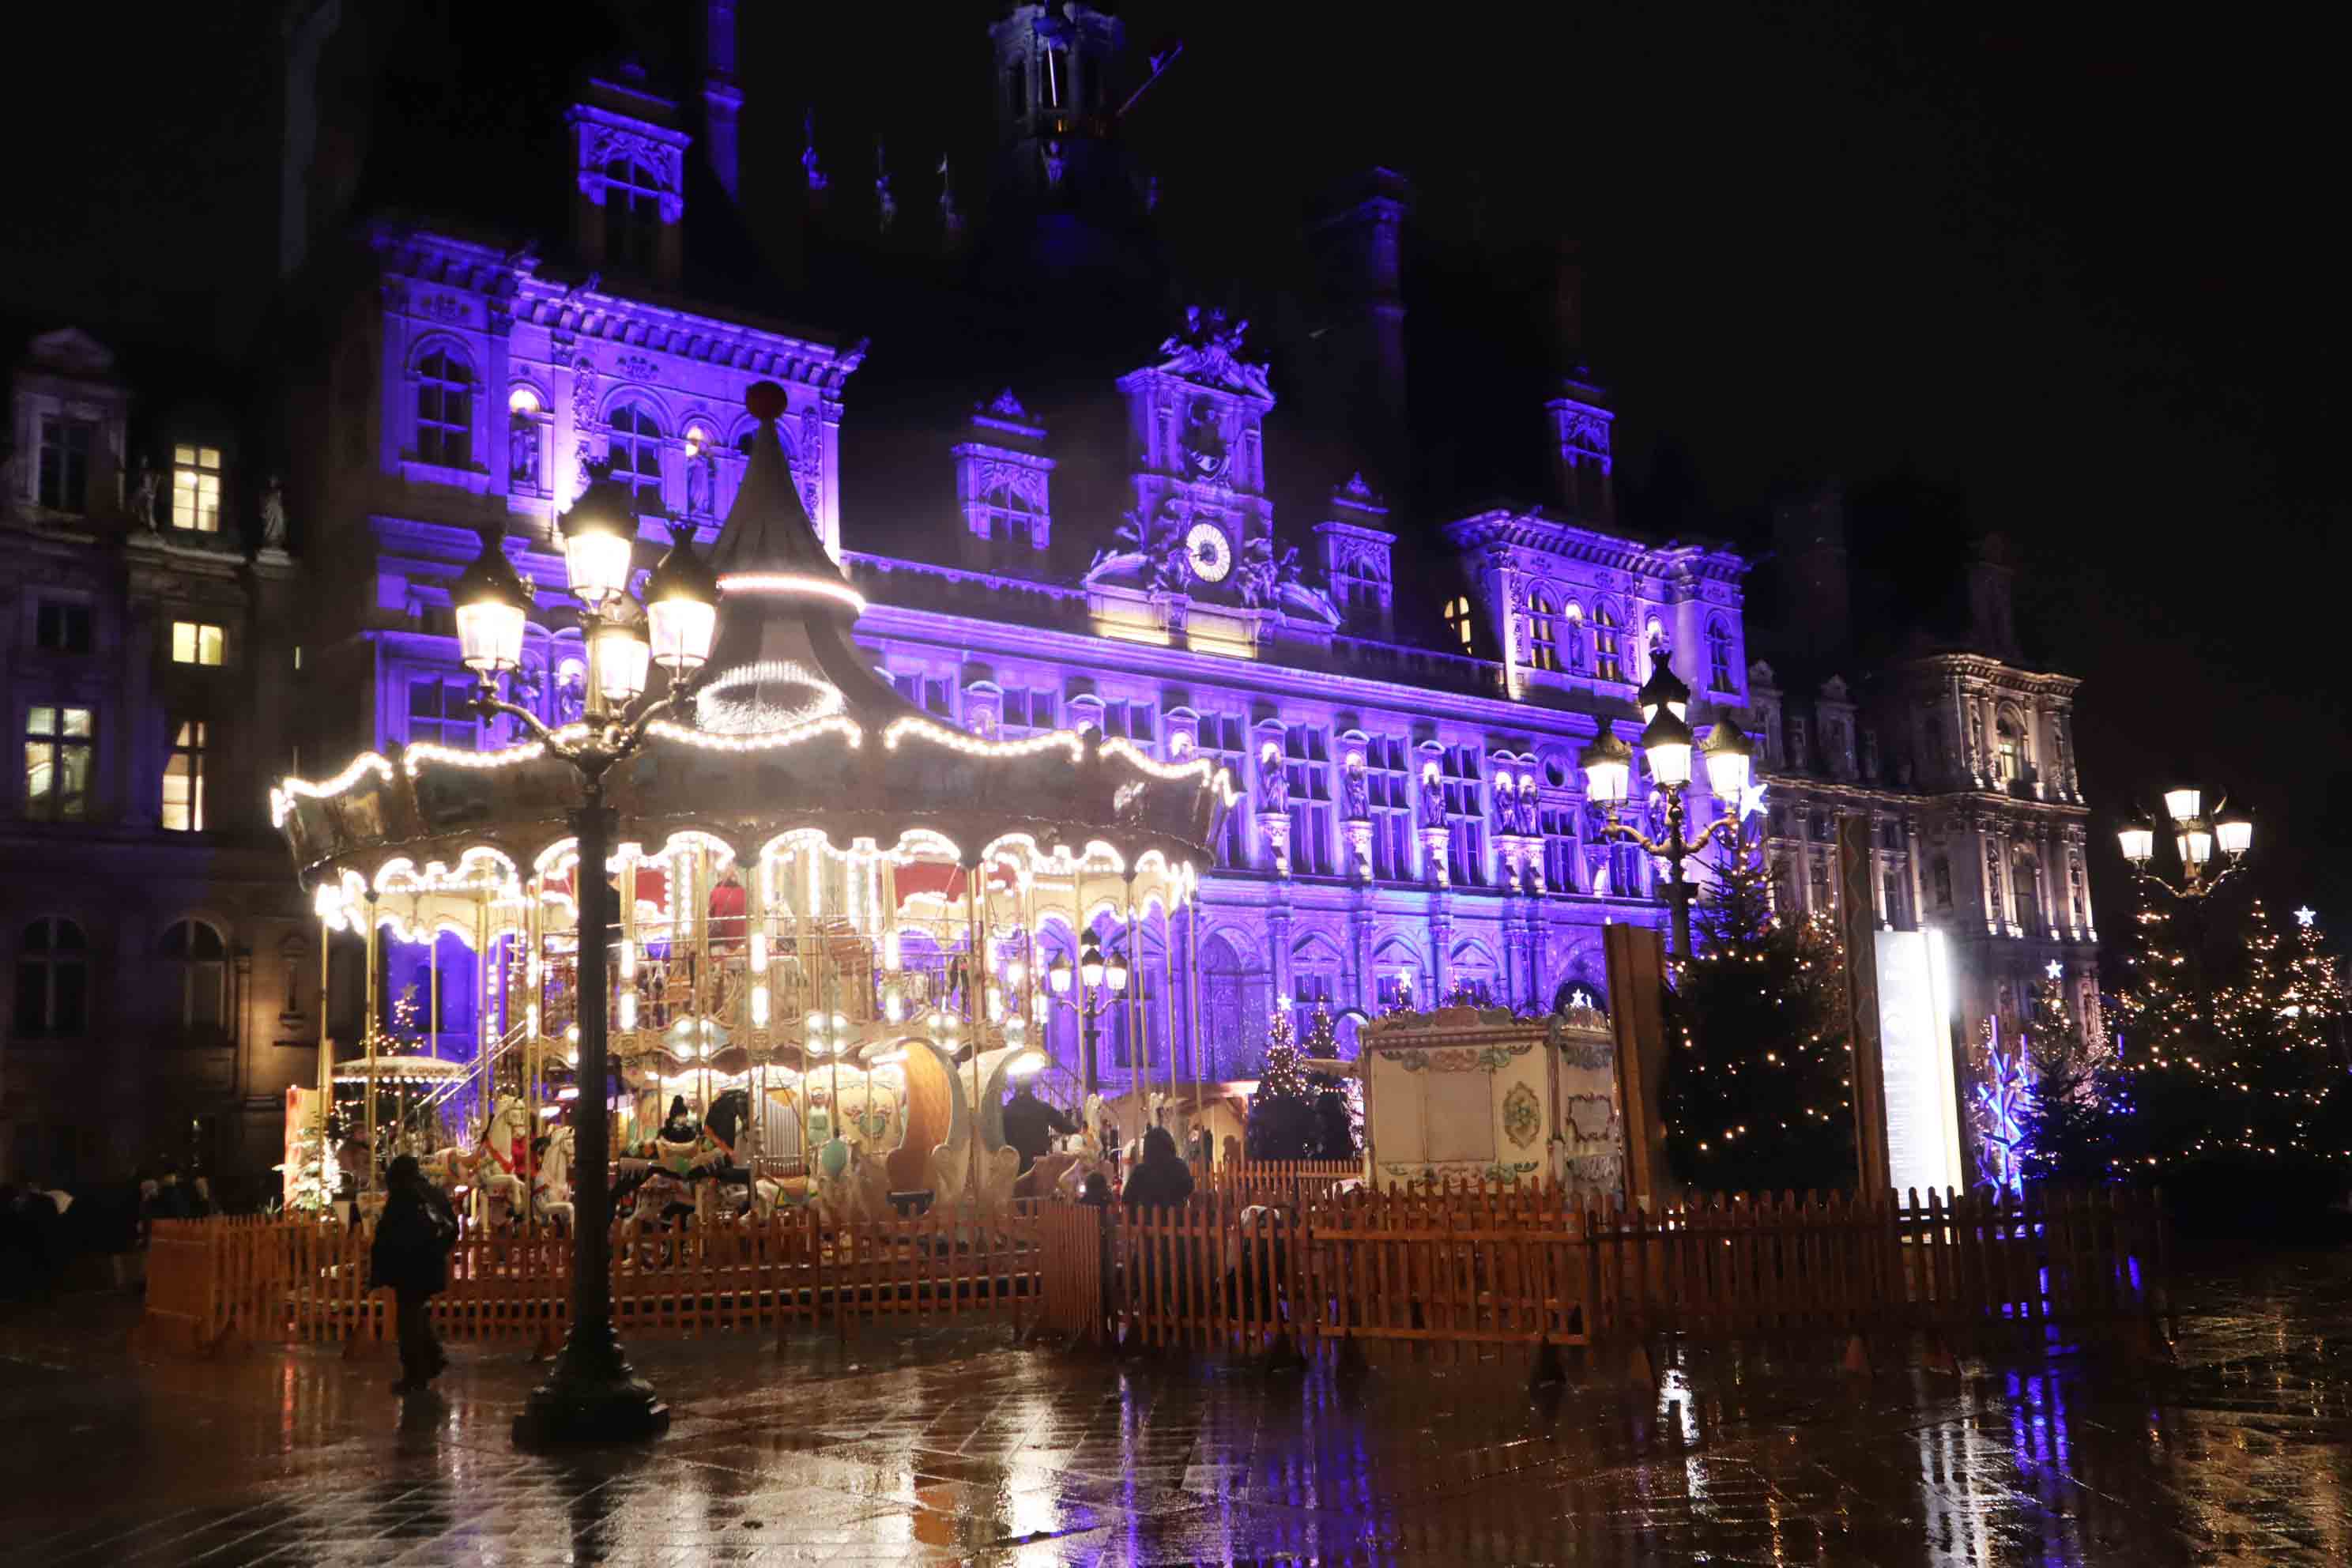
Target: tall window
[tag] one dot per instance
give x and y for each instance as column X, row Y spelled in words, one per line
column 1558, row 823
column 1940, row 876
column 1465, row 818
column 633, row 220
column 635, row 451
column 58, row 745
column 52, row 980
column 1306, row 768
column 439, row 711
column 1607, row 666
column 195, row 952
column 59, row 628
column 1220, row 743
column 1543, row 633
column 2010, row 752
column 1718, row 657
column 183, row 778
column 1389, row 792
column 194, row 642
column 65, row 463
column 196, row 487
column 1457, row 615
column 445, row 410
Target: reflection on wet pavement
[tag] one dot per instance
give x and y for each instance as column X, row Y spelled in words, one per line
column 953, row 1447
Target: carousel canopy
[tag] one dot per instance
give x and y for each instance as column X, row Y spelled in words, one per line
column 790, row 734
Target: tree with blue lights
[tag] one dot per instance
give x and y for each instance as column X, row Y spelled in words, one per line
column 2066, row 1124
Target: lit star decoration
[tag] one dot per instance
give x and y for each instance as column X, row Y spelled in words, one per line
column 2054, row 969
column 2306, row 915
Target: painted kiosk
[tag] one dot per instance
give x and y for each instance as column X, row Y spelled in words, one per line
column 1482, row 1095
column 824, row 896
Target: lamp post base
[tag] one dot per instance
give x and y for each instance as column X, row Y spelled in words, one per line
column 591, row 1396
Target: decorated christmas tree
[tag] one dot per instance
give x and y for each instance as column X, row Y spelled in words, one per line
column 1757, row 1094
column 1338, row 1121
column 315, row 1178
column 2067, row 1122
column 1282, row 1121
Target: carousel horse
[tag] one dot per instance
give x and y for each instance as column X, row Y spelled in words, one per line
column 502, row 1167
column 847, row 1186
column 552, row 1185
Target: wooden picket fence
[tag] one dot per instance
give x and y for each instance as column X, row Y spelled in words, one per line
column 1502, row 1265
column 212, row 1282
column 1278, row 1181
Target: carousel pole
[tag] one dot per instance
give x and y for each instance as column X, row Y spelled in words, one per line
column 1137, row 1083
column 375, row 997
column 1192, row 1010
column 975, row 1009
column 326, row 1043
column 592, row 1394
column 483, row 1038
column 1168, row 986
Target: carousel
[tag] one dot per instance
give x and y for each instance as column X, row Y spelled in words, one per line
column 819, row 975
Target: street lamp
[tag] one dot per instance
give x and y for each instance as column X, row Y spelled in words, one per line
column 1668, row 742
column 2212, row 847
column 591, row 1394
column 1101, row 980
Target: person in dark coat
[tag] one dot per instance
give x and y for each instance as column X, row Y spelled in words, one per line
column 411, row 1259
column 1160, row 1178
column 1030, row 1124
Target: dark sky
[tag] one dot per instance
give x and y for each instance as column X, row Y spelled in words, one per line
column 2075, row 280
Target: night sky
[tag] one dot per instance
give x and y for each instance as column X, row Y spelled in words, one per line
column 1994, row 271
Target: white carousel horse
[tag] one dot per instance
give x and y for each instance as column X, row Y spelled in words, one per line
column 552, row 1185
column 504, row 1161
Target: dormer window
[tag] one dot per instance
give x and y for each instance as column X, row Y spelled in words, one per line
column 65, row 463
column 633, row 219
column 1457, row 616
column 195, row 488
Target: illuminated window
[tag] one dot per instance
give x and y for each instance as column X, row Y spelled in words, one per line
column 196, row 952
column 1607, row 666
column 1543, row 633
column 183, row 779
column 58, row 745
column 2010, row 752
column 52, row 980
column 1457, row 615
column 445, row 410
column 64, row 464
column 195, row 488
column 635, row 453
column 632, row 219
column 193, row 642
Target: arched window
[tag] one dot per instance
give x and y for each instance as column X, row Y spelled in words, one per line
column 195, row 950
column 2009, row 749
column 1607, row 666
column 444, row 410
column 1457, row 615
column 52, row 980
column 633, row 219
column 635, row 451
column 1718, row 656
column 1543, row 632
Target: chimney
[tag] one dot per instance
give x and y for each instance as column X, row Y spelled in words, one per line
column 1357, row 237
column 1809, row 538
column 1992, row 626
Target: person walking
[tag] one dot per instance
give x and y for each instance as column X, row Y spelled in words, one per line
column 411, row 1259
column 1160, row 1178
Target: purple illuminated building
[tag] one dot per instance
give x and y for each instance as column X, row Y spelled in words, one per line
column 1069, row 501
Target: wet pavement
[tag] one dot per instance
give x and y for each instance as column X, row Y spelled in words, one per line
column 959, row 1447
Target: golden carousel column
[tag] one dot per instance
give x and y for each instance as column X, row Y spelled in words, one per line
column 1167, row 988
column 487, row 1041
column 326, row 1044
column 977, row 978
column 373, row 996
column 1137, row 1084
column 629, row 1000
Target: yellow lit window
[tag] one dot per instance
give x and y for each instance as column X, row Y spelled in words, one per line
column 195, row 488
column 183, row 779
column 193, row 642
column 1457, row 615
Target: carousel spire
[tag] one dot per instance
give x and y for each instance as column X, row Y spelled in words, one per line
column 783, row 653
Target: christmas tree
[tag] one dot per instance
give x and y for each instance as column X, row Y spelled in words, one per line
column 1338, row 1122
column 2066, row 1121
column 1757, row 1094
column 1282, row 1121
column 2000, row 1103
column 2313, row 1011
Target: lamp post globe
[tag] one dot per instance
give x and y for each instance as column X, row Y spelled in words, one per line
column 1664, row 689
column 1608, row 765
column 1057, row 974
column 1090, row 962
column 1115, row 972
column 599, row 538
column 1731, row 757
column 2137, row 838
column 681, row 608
column 2233, row 830
column 1667, row 741
column 492, row 604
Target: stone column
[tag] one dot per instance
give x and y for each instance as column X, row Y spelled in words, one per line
column 1358, row 832
column 1277, row 933
column 1441, row 949
column 1434, row 868
column 1273, row 830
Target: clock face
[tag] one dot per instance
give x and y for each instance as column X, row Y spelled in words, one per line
column 1210, row 551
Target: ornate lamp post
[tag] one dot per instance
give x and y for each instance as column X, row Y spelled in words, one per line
column 1100, row 982
column 591, row 1394
column 2212, row 848
column 1667, row 741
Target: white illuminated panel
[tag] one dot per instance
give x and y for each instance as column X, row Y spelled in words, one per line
column 1923, row 1123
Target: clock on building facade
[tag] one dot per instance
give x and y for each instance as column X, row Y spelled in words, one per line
column 1210, row 551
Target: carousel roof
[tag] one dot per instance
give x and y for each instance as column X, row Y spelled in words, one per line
column 791, row 733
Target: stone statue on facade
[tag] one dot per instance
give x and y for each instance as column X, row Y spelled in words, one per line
column 1433, row 800
column 146, row 486
column 1506, row 808
column 273, row 515
column 1272, row 781
column 1529, row 823
column 1353, row 791
column 699, row 484
column 523, row 453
